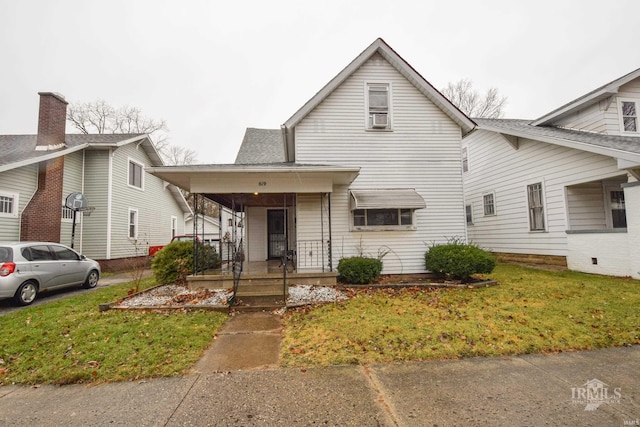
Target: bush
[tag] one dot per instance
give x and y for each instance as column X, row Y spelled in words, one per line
column 175, row 261
column 359, row 270
column 457, row 260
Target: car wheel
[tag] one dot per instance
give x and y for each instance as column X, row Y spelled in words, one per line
column 92, row 280
column 26, row 293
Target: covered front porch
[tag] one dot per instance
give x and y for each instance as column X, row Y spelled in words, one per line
column 279, row 230
column 598, row 237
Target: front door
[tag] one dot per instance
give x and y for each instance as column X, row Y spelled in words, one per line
column 276, row 232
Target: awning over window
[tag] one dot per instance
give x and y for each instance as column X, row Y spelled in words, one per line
column 398, row 198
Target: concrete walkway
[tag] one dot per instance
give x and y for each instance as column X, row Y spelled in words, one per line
column 245, row 341
column 532, row 390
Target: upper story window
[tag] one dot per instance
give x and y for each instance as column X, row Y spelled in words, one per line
column 468, row 210
column 378, row 105
column 8, row 204
column 136, row 174
column 465, row 160
column 629, row 115
column 489, row 203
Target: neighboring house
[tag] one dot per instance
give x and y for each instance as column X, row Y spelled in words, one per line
column 369, row 165
column 130, row 208
column 563, row 188
column 205, row 226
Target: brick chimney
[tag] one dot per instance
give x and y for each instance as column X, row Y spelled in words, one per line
column 52, row 121
column 42, row 217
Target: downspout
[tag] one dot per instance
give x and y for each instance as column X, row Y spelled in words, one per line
column 27, row 204
column 110, row 203
column 322, row 230
column 329, row 252
column 84, row 154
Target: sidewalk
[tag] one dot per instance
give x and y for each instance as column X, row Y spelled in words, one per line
column 529, row 390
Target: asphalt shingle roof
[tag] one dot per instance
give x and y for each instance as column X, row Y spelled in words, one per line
column 17, row 148
column 261, row 146
column 630, row 144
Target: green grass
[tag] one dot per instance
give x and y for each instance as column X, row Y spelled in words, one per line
column 531, row 311
column 71, row 341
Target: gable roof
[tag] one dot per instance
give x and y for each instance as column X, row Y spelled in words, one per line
column 381, row 47
column 19, row 150
column 261, row 146
column 586, row 100
column 620, row 147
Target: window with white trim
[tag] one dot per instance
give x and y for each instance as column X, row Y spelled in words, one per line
column 465, row 160
column 629, row 115
column 536, row 207
column 174, row 226
column 133, row 223
column 8, row 204
column 489, row 204
column 468, row 210
column 382, row 218
column 618, row 209
column 136, row 174
column 378, row 100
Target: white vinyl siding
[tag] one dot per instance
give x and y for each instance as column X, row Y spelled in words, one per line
column 507, row 171
column 19, row 184
column 94, row 227
column 585, row 207
column 422, row 152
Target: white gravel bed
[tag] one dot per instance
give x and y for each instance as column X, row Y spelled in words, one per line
column 168, row 295
column 310, row 294
column 173, row 295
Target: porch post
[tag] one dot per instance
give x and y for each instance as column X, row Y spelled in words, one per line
column 632, row 204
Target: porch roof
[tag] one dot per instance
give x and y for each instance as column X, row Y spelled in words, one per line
column 269, row 178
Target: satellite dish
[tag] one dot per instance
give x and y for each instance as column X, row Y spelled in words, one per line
column 76, row 201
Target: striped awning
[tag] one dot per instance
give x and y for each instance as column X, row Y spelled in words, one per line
column 397, row 198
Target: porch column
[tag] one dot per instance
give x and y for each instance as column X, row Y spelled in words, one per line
column 632, row 206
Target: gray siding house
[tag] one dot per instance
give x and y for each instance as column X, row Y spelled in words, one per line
column 129, row 209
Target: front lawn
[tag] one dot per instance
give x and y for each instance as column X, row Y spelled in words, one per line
column 70, row 340
column 530, row 311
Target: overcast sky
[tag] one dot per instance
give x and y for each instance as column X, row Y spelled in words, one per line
column 212, row 68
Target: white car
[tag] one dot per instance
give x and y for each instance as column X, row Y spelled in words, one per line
column 27, row 268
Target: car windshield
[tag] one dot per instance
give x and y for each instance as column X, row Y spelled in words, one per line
column 6, row 254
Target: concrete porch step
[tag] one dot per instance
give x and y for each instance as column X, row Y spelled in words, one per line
column 258, row 302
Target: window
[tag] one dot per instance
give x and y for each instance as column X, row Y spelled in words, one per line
column 382, row 217
column 536, row 207
column 618, row 209
column 468, row 209
column 64, row 253
column 133, row 223
column 378, row 108
column 488, row 200
column 8, row 204
column 629, row 116
column 174, row 226
column 135, row 174
column 465, row 160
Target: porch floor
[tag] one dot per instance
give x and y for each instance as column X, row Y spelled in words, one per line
column 258, row 276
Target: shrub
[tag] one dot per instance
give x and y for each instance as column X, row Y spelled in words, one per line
column 359, row 270
column 457, row 260
column 175, row 261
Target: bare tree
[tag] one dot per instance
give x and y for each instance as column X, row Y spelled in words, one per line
column 101, row 117
column 472, row 103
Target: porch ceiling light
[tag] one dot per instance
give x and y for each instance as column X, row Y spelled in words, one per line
column 256, row 193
